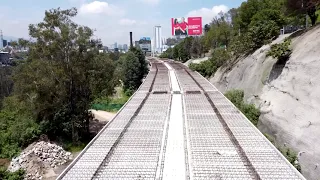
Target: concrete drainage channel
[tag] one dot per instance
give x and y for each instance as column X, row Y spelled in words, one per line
column 174, row 165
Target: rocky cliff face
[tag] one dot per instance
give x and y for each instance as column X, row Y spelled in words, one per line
column 287, row 94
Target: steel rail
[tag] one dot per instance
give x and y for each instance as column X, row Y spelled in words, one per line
column 116, row 143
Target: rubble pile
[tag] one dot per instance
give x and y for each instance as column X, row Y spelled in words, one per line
column 39, row 157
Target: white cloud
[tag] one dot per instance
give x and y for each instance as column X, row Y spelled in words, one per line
column 151, row 2
column 208, row 14
column 99, row 7
column 127, row 22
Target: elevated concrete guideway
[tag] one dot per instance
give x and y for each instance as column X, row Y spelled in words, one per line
column 179, row 126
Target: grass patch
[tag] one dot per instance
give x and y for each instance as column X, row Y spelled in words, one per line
column 110, row 104
column 249, row 110
column 73, row 148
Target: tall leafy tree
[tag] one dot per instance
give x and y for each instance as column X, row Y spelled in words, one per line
column 14, row 44
column 131, row 71
column 63, row 73
column 6, row 84
column 220, row 32
column 23, row 43
column 309, row 7
column 143, row 63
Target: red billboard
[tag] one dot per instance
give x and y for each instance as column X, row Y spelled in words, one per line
column 186, row 27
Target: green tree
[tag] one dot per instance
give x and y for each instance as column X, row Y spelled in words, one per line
column 269, row 15
column 171, row 41
column 220, row 32
column 196, row 47
column 143, row 68
column 250, row 8
column 14, row 44
column 176, row 52
column 6, row 84
column 262, row 32
column 131, row 71
column 309, row 7
column 114, row 55
column 219, row 57
column 62, row 75
column 23, row 43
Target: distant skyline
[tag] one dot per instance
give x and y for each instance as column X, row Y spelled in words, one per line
column 112, row 20
column 9, row 38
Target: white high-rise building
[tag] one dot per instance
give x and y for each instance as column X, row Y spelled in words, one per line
column 1, row 40
column 157, row 39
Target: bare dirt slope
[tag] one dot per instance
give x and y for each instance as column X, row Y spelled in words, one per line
column 288, row 95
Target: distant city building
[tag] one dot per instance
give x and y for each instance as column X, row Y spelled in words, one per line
column 157, row 39
column 1, row 40
column 105, row 48
column 164, row 40
column 125, row 47
column 145, row 44
column 115, row 45
column 136, row 44
column 165, row 47
column 4, row 43
column 120, row 47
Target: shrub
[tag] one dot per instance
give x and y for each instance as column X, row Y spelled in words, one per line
column 6, row 175
column 281, row 51
column 208, row 68
column 205, row 68
column 290, row 155
column 16, row 130
column 240, row 45
column 249, row 110
column 17, row 127
column 219, row 57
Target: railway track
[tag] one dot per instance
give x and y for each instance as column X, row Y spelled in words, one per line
column 178, row 126
column 223, row 143
column 251, row 169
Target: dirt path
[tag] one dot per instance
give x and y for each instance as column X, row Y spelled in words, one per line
column 102, row 115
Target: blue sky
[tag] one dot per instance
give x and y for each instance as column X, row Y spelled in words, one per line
column 112, row 19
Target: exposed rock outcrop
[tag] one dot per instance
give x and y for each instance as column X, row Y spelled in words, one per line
column 288, row 95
